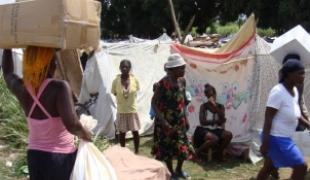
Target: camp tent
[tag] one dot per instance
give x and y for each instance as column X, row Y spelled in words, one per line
column 237, row 71
column 242, row 71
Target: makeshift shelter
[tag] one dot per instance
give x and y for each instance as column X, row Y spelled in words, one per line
column 235, row 70
column 242, row 71
column 230, row 70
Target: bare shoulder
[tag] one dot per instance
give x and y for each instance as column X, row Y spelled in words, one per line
column 60, row 85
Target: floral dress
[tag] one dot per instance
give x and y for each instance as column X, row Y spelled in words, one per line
column 171, row 106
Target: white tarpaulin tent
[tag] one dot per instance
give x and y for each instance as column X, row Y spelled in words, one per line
column 238, row 59
column 296, row 40
column 242, row 71
column 147, row 58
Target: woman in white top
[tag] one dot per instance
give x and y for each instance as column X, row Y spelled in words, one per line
column 281, row 119
column 211, row 131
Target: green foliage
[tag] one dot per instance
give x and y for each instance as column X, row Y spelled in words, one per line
column 224, row 30
column 20, row 165
column 13, row 125
column 194, row 32
column 268, row 32
column 101, row 143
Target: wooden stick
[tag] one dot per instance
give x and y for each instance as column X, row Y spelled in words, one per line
column 188, row 27
column 174, row 19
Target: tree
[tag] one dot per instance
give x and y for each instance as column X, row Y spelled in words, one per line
column 143, row 18
column 149, row 18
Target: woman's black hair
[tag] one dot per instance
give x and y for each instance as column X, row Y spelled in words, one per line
column 282, row 75
column 289, row 66
column 290, row 56
column 212, row 88
column 125, row 61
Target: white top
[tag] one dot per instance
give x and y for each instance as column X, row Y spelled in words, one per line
column 285, row 121
column 210, row 116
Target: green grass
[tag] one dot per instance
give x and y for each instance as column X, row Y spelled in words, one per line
column 13, row 132
column 233, row 169
column 13, row 125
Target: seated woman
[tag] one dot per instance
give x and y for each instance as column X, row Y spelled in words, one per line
column 211, row 131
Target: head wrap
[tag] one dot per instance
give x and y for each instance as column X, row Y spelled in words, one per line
column 36, row 61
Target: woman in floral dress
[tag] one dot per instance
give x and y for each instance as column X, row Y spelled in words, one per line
column 169, row 104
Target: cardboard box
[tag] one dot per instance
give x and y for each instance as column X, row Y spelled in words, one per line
column 66, row 24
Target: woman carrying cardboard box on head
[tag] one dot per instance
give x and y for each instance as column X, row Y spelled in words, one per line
column 51, row 118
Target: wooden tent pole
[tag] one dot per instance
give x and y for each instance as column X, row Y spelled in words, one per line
column 174, row 19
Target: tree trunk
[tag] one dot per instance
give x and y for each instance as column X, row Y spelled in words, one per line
column 174, row 19
column 188, row 27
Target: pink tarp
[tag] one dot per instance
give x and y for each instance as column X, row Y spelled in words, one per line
column 130, row 166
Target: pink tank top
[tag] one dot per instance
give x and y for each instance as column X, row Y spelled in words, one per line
column 48, row 134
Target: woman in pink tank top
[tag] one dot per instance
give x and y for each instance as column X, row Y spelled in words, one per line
column 50, row 113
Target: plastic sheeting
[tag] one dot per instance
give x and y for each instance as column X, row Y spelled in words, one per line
column 148, row 58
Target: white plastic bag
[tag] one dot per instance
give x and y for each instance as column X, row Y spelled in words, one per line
column 88, row 122
column 91, row 164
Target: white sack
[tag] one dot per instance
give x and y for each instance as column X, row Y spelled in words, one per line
column 91, row 164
